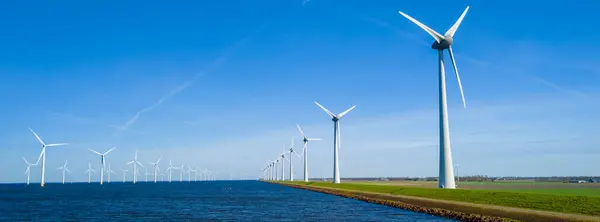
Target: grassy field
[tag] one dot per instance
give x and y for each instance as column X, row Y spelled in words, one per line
column 571, row 189
column 576, row 200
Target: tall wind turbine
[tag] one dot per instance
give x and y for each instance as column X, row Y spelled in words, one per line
column 446, row 174
column 290, row 160
column 124, row 174
column 282, row 157
column 28, row 171
column 64, row 170
column 135, row 162
column 304, row 151
column 170, row 169
column 109, row 171
column 156, row 168
column 146, row 174
column 336, row 139
column 102, row 161
column 43, row 155
column 89, row 172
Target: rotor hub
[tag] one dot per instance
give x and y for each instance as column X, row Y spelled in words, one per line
column 444, row 44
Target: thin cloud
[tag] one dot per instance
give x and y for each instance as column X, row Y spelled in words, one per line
column 215, row 64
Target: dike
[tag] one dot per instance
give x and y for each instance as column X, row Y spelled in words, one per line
column 448, row 209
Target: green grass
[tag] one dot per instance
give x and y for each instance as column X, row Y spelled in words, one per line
column 589, row 192
column 559, row 201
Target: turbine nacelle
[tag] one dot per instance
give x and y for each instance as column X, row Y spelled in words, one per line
column 443, row 44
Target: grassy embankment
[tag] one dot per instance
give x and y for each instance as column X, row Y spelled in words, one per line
column 555, row 201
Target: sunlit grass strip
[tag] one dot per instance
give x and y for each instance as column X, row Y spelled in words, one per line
column 431, row 211
column 586, row 205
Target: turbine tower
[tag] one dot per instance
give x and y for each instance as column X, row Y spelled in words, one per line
column 64, row 170
column 43, row 155
column 446, row 174
column 102, row 161
column 336, row 139
column 282, row 157
column 146, row 174
column 156, row 168
column 170, row 169
column 89, row 172
column 181, row 175
column 109, row 171
column 304, row 151
column 135, row 162
column 28, row 171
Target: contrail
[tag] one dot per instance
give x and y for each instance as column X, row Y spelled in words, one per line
column 215, row 64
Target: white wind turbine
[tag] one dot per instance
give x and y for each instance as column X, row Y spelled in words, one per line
column 135, row 162
column 282, row 157
column 109, row 171
column 124, row 174
column 162, row 176
column 446, row 174
column 305, row 152
column 43, row 155
column 156, row 168
column 181, row 175
column 189, row 172
column 28, row 171
column 64, row 170
column 336, row 139
column 146, row 174
column 103, row 162
column 290, row 160
column 170, row 169
column 89, row 172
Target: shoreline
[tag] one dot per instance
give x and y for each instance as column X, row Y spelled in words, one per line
column 462, row 211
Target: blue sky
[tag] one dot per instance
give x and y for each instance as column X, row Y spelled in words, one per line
column 221, row 85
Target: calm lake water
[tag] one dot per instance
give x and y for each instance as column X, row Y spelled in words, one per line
column 203, row 201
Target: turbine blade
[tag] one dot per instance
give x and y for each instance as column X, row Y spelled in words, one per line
column 58, row 144
column 327, row 111
column 438, row 38
column 158, row 161
column 95, row 151
column 140, row 164
column 130, row 162
column 41, row 153
column 36, row 136
column 110, row 150
column 313, row 139
column 462, row 94
column 27, row 170
column 68, row 171
column 301, row 132
column 454, row 27
column 346, row 112
column 25, row 161
column 296, row 154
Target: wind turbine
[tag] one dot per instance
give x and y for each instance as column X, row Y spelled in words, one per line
column 181, row 176
column 124, row 174
column 89, row 172
column 446, row 174
column 156, row 168
column 28, row 171
column 146, row 174
column 304, row 151
column 170, row 169
column 109, row 171
column 162, row 176
column 135, row 162
column 336, row 139
column 290, row 160
column 189, row 173
column 102, row 161
column 43, row 155
column 64, row 169
column 282, row 157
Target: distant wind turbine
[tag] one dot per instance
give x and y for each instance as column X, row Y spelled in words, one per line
column 109, row 172
column 170, row 169
column 156, row 168
column 305, row 151
column 103, row 162
column 64, row 170
column 43, row 155
column 89, row 172
column 135, row 162
column 28, row 171
column 336, row 139
column 282, row 157
column 446, row 174
column 290, row 160
column 146, row 174
column 124, row 174
column 181, row 176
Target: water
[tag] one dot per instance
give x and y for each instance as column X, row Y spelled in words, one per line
column 206, row 201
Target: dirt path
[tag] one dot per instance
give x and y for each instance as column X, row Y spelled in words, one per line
column 462, row 207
